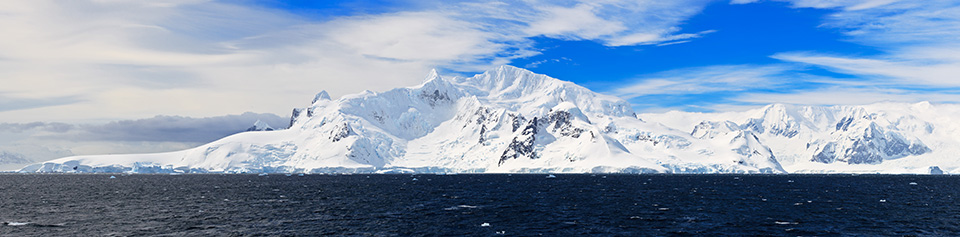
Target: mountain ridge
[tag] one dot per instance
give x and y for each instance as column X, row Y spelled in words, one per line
column 512, row 120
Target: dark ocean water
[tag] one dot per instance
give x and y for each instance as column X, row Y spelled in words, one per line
column 513, row 205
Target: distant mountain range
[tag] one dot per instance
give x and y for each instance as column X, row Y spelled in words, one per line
column 12, row 158
column 512, row 120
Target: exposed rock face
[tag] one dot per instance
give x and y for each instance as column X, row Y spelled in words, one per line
column 340, row 132
column 522, row 144
column 872, row 147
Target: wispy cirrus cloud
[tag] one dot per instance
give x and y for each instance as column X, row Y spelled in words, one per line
column 723, row 78
column 712, row 87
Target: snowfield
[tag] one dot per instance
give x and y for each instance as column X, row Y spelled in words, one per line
column 511, row 120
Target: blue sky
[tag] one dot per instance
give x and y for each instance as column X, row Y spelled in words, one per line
column 99, row 61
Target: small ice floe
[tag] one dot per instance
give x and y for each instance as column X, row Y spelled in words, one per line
column 502, row 232
column 913, row 183
column 301, row 175
column 288, row 175
column 414, row 179
column 262, row 174
column 16, row 223
column 785, row 223
column 763, row 199
column 113, row 177
column 789, row 181
column 663, row 209
column 485, row 224
column 551, row 176
column 883, row 200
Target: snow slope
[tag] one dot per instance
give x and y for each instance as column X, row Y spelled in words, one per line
column 512, row 120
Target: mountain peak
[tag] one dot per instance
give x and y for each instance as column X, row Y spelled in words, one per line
column 260, row 125
column 432, row 75
column 323, row 95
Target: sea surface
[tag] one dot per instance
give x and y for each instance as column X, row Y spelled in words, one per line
column 478, row 205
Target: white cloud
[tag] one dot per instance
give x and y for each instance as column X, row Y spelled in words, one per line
column 577, row 22
column 100, row 60
column 850, row 5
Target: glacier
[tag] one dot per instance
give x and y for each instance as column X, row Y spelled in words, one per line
column 511, row 120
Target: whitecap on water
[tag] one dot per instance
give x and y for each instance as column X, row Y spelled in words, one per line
column 785, row 223
column 485, row 224
column 459, row 207
column 31, row 224
column 551, row 176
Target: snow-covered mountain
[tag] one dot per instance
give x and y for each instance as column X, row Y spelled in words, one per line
column 512, row 120
column 877, row 138
column 260, row 125
column 12, row 158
